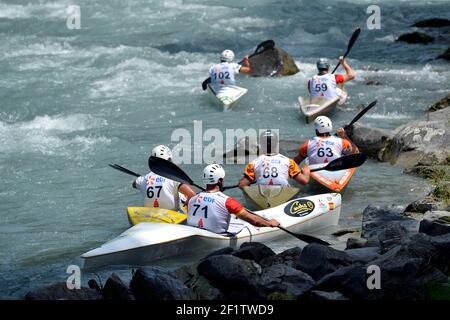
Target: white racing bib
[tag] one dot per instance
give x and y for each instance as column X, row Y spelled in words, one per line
column 222, row 74
column 323, row 86
column 159, row 192
column 272, row 170
column 324, row 150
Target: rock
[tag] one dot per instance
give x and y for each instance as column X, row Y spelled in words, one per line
column 287, row 258
column 371, row 141
column 325, row 295
column 441, row 104
column 254, row 251
column 244, row 150
column 350, row 280
column 273, row 62
column 373, row 83
column 363, row 255
column 416, row 37
column 422, row 206
column 185, row 273
column 318, row 260
column 155, row 283
column 59, row 291
column 432, row 23
column 354, row 243
column 434, row 228
column 226, row 250
column 285, row 280
column 204, row 290
column 235, row 277
column 290, row 148
column 377, row 219
column 445, row 55
column 420, row 142
column 115, row 289
column 391, row 236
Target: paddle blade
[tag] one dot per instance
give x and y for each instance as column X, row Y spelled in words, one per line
column 205, row 84
column 346, row 162
column 305, row 238
column 353, row 39
column 168, row 170
column 361, row 113
column 263, row 46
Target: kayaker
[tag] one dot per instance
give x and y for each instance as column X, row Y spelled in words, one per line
column 273, row 168
column 211, row 209
column 324, row 84
column 222, row 74
column 161, row 192
column 324, row 147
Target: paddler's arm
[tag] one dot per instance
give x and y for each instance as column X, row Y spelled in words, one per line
column 255, row 220
column 244, row 182
column 302, row 153
column 301, row 176
column 249, row 176
column 343, row 135
column 350, row 73
column 187, row 191
column 246, row 67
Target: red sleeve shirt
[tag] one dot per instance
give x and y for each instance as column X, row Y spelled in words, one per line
column 339, row 78
column 233, row 206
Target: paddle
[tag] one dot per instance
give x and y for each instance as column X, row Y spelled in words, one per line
column 360, row 114
column 350, row 45
column 345, row 162
column 125, row 170
column 171, row 171
column 263, row 46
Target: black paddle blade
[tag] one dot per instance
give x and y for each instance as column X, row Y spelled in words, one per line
column 305, row 238
column 205, row 84
column 353, row 39
column 263, row 46
column 124, row 170
column 346, row 162
column 361, row 113
column 168, row 170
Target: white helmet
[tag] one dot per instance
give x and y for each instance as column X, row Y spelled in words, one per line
column 227, row 56
column 162, row 152
column 323, row 124
column 212, row 173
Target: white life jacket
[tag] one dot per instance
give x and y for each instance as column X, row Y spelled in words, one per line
column 208, row 210
column 222, row 74
column 159, row 192
column 324, row 149
column 323, row 86
column 271, row 170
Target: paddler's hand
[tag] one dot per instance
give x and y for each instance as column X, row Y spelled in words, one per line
column 341, row 133
column 306, row 170
column 341, row 60
column 273, row 223
column 246, row 61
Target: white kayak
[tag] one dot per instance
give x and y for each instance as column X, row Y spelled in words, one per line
column 150, row 241
column 318, row 106
column 228, row 96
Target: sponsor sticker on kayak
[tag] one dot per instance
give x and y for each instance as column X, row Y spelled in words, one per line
column 299, row 208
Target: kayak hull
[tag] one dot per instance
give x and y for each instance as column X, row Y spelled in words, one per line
column 263, row 197
column 334, row 181
column 147, row 241
column 227, row 96
column 319, row 106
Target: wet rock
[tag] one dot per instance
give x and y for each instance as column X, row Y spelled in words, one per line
column 445, row 55
column 59, row 291
column 441, row 104
column 226, row 250
column 287, row 257
column 318, row 260
column 115, row 289
column 350, row 280
column 420, row 142
column 364, row 255
column 245, row 148
column 203, row 289
column 435, row 227
column 325, row 295
column 155, row 283
column 286, row 280
column 432, row 23
column 235, row 277
column 185, row 273
column 354, row 243
column 371, row 141
column 273, row 62
column 255, row 251
column 387, row 221
column 392, row 235
column 422, row 206
column 416, row 37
